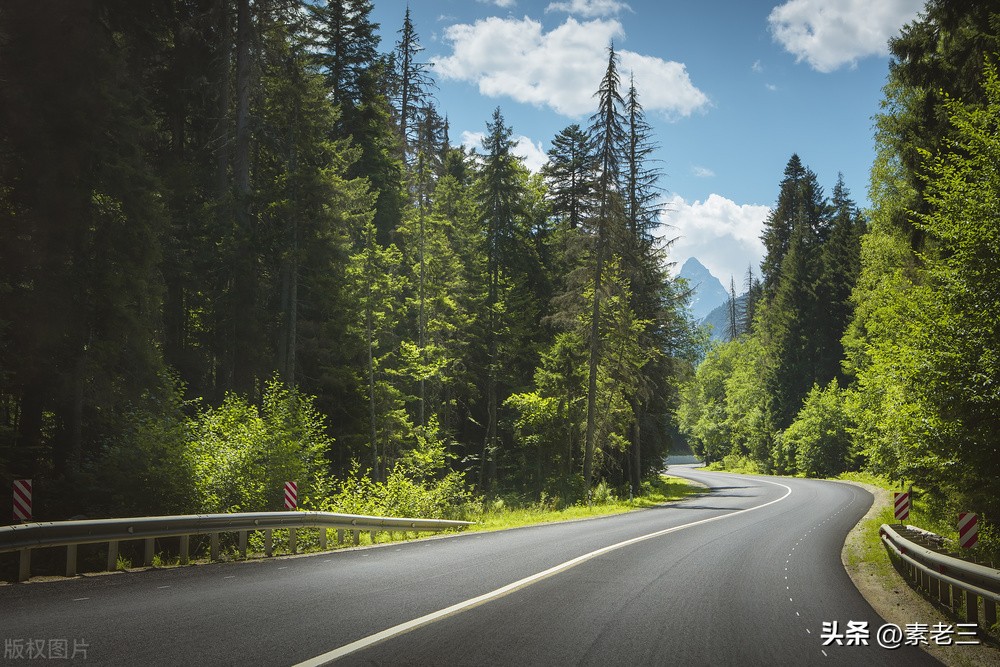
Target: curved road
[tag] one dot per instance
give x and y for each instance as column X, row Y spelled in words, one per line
column 745, row 574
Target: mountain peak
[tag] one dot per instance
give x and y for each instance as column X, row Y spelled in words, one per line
column 707, row 291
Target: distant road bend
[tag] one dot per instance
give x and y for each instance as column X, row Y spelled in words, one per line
column 745, row 574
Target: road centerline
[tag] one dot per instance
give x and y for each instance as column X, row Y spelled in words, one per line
column 465, row 605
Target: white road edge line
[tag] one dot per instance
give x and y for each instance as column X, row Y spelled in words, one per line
column 402, row 628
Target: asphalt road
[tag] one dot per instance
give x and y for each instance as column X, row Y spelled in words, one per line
column 746, row 574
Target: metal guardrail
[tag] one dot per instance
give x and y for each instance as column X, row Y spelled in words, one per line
column 24, row 538
column 945, row 577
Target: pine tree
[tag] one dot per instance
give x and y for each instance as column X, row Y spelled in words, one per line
column 800, row 202
column 347, row 43
column 646, row 269
column 754, row 291
column 732, row 313
column 411, row 85
column 608, row 131
column 569, row 174
column 500, row 196
column 839, row 264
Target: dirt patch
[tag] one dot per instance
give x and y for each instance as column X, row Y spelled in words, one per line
column 894, row 600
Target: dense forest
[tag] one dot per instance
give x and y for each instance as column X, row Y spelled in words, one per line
column 873, row 341
column 239, row 247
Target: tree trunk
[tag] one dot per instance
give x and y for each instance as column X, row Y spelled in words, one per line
column 369, row 339
column 595, row 354
column 636, row 449
column 244, row 299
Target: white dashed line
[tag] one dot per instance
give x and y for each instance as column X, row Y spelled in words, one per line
column 163, row 586
column 80, row 599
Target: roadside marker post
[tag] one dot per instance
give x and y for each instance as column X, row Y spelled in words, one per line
column 22, row 500
column 968, row 529
column 291, row 503
column 902, row 504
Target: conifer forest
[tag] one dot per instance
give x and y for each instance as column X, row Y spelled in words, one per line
column 238, row 246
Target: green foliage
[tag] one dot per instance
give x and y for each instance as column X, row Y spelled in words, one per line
column 931, row 365
column 243, row 454
column 147, row 468
column 399, row 495
column 818, row 442
column 230, row 247
column 702, row 412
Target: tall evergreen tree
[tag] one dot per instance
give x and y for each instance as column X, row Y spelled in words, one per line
column 608, row 131
column 837, row 270
column 411, row 85
column 347, row 46
column 569, row 174
column 500, row 202
column 800, row 202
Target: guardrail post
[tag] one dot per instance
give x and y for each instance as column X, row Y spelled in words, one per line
column 243, row 544
column 340, row 536
column 322, row 539
column 989, row 613
column 971, row 607
column 946, row 594
column 372, row 532
column 70, row 560
column 150, row 551
column 357, row 537
column 268, row 543
column 213, row 548
column 112, row 555
column 185, row 549
column 291, row 540
column 24, row 570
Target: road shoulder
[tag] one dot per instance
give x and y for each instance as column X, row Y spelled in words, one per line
column 893, row 598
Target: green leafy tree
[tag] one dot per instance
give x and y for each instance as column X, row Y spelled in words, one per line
column 702, row 411
column 243, row 454
column 935, row 370
column 818, row 442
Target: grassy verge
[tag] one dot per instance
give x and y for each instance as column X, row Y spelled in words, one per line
column 893, row 597
column 663, row 490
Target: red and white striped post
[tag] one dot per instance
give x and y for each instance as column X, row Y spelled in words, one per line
column 902, row 503
column 22, row 500
column 968, row 529
column 291, row 502
column 291, row 495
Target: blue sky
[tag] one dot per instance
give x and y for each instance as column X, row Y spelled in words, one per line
column 732, row 89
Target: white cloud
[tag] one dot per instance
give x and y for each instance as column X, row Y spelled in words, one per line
column 531, row 152
column 757, row 67
column 831, row 33
column 723, row 235
column 589, row 8
column 702, row 172
column 502, row 4
column 562, row 68
column 771, row 87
